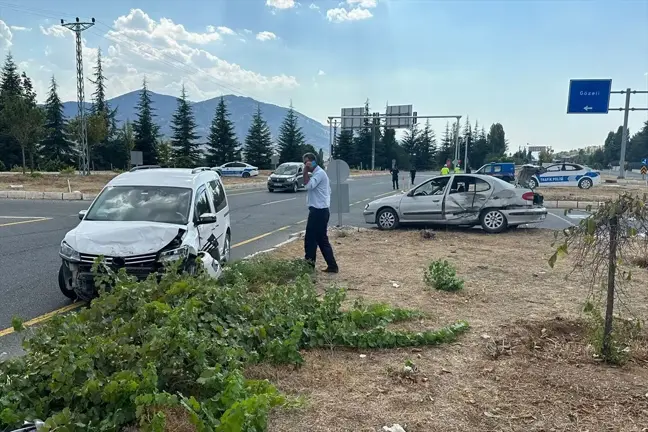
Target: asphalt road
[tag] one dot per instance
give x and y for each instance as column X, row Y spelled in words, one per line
column 31, row 232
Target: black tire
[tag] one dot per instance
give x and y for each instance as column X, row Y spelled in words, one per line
column 246, row 174
column 63, row 284
column 295, row 187
column 227, row 249
column 387, row 219
column 270, row 190
column 493, row 221
column 533, row 183
column 585, row 183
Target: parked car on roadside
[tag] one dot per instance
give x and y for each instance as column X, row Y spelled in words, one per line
column 237, row 169
column 501, row 170
column 144, row 219
column 287, row 176
column 459, row 199
column 562, row 174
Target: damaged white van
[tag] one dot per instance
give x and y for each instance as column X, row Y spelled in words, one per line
column 145, row 218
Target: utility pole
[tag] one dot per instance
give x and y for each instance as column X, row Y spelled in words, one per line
column 624, row 137
column 78, row 27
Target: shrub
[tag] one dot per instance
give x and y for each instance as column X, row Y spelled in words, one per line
column 67, row 171
column 441, row 275
column 152, row 347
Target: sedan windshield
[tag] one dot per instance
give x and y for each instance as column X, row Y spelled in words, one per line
column 286, row 170
column 143, row 204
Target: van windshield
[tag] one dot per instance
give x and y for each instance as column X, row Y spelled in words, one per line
column 142, row 204
column 286, row 169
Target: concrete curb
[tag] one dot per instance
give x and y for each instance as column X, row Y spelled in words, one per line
column 573, row 204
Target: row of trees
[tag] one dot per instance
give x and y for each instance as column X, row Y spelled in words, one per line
column 44, row 139
column 419, row 147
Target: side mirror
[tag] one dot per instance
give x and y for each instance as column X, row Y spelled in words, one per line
column 206, row 218
column 82, row 214
column 271, row 172
column 410, row 193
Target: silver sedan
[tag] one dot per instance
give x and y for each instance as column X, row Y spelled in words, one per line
column 459, row 199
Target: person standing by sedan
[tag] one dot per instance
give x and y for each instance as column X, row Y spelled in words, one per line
column 394, row 173
column 316, row 183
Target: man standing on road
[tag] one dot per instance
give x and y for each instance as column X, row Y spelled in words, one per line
column 394, row 173
column 316, row 182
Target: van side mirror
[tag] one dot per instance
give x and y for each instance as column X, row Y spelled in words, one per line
column 206, row 218
column 82, row 214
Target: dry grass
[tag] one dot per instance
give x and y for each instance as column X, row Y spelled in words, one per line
column 94, row 183
column 605, row 192
column 524, row 366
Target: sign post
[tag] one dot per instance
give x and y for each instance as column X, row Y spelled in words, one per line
column 274, row 160
column 592, row 96
column 338, row 171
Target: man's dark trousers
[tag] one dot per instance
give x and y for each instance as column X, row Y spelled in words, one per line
column 316, row 235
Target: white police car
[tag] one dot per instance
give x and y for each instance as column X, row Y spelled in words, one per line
column 237, row 169
column 565, row 174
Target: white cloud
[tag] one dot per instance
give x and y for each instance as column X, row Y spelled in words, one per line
column 20, row 28
column 225, row 30
column 363, row 3
column 321, row 73
column 281, row 4
column 55, row 31
column 313, row 6
column 5, row 35
column 266, row 36
column 164, row 52
column 339, row 15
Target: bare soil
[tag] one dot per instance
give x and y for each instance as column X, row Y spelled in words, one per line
column 605, row 192
column 94, row 183
column 525, row 365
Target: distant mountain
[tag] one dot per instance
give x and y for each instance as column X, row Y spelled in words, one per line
column 241, row 111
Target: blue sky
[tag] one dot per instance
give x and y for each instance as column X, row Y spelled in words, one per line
column 493, row 61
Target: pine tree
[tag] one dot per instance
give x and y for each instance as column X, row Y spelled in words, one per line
column 343, row 149
column 291, row 139
column 222, row 145
column 411, row 144
column 446, row 149
column 427, row 148
column 258, row 143
column 186, row 151
column 125, row 143
column 100, row 105
column 165, row 154
column 497, row 140
column 10, row 88
column 146, row 131
column 56, row 148
column 320, row 156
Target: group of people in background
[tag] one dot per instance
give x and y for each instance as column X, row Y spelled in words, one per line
column 444, row 171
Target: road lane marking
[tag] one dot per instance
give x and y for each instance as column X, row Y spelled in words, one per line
column 259, row 237
column 25, row 221
column 562, row 219
column 43, row 318
column 21, row 217
column 280, row 201
column 243, row 193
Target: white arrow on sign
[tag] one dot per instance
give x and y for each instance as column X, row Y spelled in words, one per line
column 587, row 108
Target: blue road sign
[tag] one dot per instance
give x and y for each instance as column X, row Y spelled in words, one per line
column 644, row 161
column 589, row 96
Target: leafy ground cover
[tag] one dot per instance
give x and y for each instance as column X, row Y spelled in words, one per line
column 526, row 365
column 172, row 355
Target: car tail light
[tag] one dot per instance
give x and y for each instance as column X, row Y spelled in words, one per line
column 528, row 196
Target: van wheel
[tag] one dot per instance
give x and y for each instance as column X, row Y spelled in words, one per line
column 493, row 221
column 270, row 190
column 65, row 284
column 227, row 249
column 295, row 187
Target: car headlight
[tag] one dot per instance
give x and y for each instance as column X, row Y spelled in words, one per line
column 269, row 178
column 367, row 206
column 174, row 254
column 66, row 251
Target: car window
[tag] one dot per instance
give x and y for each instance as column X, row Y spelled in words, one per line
column 218, row 195
column 142, row 203
column 486, row 169
column 227, row 165
column 463, row 184
column 553, row 168
column 572, row 168
column 497, row 168
column 238, row 165
column 433, row 187
column 202, row 204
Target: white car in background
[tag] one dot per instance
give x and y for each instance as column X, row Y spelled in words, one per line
column 237, row 169
column 564, row 174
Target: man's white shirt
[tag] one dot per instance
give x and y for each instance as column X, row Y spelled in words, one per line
column 318, row 189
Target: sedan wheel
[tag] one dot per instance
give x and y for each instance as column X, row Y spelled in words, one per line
column 533, row 184
column 585, row 183
column 387, row 219
column 246, row 174
column 493, row 221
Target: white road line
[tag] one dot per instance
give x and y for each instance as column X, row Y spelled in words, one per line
column 579, row 216
column 275, row 202
column 562, row 219
column 21, row 217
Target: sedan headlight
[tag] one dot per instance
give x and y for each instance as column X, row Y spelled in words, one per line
column 68, row 253
column 367, row 206
column 174, row 254
column 269, row 178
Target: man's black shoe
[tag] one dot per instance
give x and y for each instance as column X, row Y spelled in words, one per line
column 331, row 270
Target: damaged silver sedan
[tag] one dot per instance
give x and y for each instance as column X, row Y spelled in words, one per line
column 460, row 200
